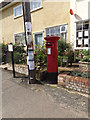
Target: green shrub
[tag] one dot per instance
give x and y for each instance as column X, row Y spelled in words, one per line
column 41, row 57
column 19, row 55
column 4, row 54
column 62, row 46
column 82, row 55
column 78, row 73
column 64, row 51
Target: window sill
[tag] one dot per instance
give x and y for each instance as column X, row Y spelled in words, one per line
column 18, row 16
column 36, row 9
column 78, row 48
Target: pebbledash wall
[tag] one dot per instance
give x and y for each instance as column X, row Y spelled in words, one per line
column 49, row 15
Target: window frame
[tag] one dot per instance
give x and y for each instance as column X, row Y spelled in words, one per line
column 65, row 32
column 15, row 9
column 83, row 37
column 36, row 8
column 24, row 36
column 36, row 33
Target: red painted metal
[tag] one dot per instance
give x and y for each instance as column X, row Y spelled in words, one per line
column 52, row 53
column 71, row 11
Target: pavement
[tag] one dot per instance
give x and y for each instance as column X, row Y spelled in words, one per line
column 20, row 100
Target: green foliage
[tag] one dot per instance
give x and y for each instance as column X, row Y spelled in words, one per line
column 64, row 51
column 82, row 55
column 41, row 57
column 59, row 60
column 78, row 73
column 19, row 55
column 3, row 53
column 62, row 46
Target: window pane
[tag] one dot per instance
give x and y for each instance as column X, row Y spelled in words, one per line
column 63, row 36
column 31, row 5
column 38, row 40
column 58, row 30
column 53, row 31
column 47, row 31
column 79, row 26
column 34, row 4
column 18, row 11
column 20, row 38
column 86, row 25
column 39, row 3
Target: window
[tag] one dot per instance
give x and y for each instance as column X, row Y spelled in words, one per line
column 20, row 39
column 60, row 31
column 38, row 40
column 17, row 11
column 35, row 4
column 83, row 33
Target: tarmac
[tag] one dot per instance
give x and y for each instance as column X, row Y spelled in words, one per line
column 20, row 100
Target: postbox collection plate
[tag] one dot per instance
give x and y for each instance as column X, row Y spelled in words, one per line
column 49, row 51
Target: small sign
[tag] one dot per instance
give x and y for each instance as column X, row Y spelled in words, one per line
column 80, row 42
column 79, row 34
column 63, row 28
column 28, row 62
column 29, row 39
column 49, row 51
column 85, row 41
column 28, row 27
column 85, row 33
column 31, row 55
column 10, row 47
column 31, row 65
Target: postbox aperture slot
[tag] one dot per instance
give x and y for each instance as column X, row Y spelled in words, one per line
column 48, row 44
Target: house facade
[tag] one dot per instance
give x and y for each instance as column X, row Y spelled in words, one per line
column 80, row 24
column 48, row 18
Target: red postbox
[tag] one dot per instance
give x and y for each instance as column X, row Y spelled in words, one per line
column 52, row 56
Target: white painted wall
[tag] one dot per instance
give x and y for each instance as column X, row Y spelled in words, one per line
column 81, row 9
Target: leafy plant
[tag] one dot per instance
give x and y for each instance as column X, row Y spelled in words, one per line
column 84, row 55
column 78, row 73
column 62, row 46
column 64, row 51
column 19, row 54
column 41, row 57
column 4, row 55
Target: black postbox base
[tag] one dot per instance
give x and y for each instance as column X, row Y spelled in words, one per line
column 52, row 77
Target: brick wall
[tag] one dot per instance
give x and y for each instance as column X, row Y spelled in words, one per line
column 74, row 83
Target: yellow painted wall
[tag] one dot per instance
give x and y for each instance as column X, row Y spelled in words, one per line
column 10, row 26
column 51, row 14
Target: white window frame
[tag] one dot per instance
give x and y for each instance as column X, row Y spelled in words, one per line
column 77, row 47
column 15, row 9
column 60, row 30
column 34, row 37
column 64, row 30
column 14, row 38
column 37, row 7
